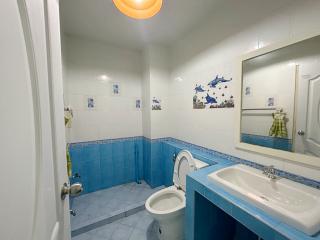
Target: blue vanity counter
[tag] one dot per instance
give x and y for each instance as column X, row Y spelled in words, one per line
column 251, row 217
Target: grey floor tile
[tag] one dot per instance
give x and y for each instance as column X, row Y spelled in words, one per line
column 108, row 202
column 122, row 232
column 82, row 237
column 104, row 232
column 138, row 234
column 145, row 220
column 139, row 226
column 131, row 221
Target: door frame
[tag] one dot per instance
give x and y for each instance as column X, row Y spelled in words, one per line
column 55, row 79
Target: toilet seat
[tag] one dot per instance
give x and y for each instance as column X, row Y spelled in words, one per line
column 167, row 206
column 166, row 201
column 183, row 165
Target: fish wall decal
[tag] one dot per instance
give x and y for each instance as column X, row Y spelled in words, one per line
column 218, row 80
column 199, row 89
column 210, row 100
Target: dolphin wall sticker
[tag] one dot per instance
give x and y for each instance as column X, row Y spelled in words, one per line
column 199, row 89
column 210, row 100
column 218, row 80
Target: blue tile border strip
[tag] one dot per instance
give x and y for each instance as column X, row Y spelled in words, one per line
column 214, row 153
column 291, row 176
column 157, row 139
column 111, row 140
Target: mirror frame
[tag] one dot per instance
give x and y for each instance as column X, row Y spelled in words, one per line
column 289, row 156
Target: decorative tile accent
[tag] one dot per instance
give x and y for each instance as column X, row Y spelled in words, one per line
column 91, row 102
column 156, row 104
column 115, row 89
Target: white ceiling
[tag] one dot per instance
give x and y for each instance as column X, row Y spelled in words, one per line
column 100, row 20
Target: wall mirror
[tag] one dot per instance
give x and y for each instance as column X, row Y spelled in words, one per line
column 280, row 100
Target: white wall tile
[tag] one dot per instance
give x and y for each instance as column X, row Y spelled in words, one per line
column 113, row 116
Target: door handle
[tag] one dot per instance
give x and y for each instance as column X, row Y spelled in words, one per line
column 73, row 190
column 301, row 133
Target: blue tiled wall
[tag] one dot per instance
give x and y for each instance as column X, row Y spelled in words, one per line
column 106, row 163
column 158, row 164
column 103, row 164
column 167, row 154
column 266, row 141
column 146, row 160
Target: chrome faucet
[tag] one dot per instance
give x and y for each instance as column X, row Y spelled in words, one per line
column 270, row 172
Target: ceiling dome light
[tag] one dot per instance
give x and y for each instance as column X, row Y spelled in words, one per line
column 139, row 9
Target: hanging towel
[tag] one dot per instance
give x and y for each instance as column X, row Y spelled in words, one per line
column 69, row 163
column 68, row 118
column 279, row 128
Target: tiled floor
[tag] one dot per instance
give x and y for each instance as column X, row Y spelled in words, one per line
column 139, row 226
column 103, row 204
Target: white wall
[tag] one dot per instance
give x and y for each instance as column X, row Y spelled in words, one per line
column 146, row 99
column 213, row 49
column 156, row 84
column 114, row 116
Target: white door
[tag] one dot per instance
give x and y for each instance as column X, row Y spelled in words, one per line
column 30, row 205
column 307, row 136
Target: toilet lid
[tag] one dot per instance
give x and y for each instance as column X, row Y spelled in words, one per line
column 183, row 165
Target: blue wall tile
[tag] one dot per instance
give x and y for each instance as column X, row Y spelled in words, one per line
column 147, row 160
column 103, row 164
column 92, row 178
column 266, row 141
column 118, row 157
column 167, row 155
column 139, row 159
column 106, row 166
column 157, row 166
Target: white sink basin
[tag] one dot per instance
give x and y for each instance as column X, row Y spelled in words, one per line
column 292, row 203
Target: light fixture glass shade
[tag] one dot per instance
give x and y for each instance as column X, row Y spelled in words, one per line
column 139, row 9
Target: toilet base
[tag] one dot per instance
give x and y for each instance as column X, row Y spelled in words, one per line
column 172, row 229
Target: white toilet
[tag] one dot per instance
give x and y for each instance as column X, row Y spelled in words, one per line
column 167, row 206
